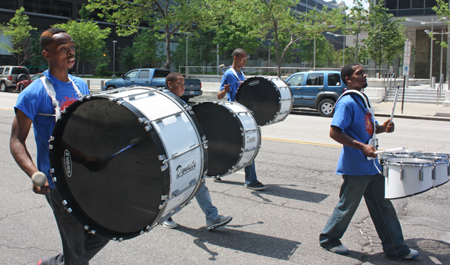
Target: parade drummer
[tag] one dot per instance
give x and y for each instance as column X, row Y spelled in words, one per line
column 39, row 105
column 231, row 80
column 175, row 84
column 354, row 126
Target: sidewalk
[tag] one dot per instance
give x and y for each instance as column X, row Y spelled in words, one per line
column 413, row 110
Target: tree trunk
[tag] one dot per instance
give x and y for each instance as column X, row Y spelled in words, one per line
column 167, row 64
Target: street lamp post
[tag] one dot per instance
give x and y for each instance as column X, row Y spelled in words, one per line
column 114, row 58
column 187, row 55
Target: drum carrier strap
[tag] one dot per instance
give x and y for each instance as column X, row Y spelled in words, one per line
column 373, row 141
column 52, row 94
column 235, row 74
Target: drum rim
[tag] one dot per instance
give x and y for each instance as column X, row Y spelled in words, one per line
column 408, row 161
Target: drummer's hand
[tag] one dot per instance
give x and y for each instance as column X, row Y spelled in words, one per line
column 42, row 190
column 226, row 87
column 388, row 126
column 369, row 151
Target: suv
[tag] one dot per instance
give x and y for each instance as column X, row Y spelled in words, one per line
column 316, row 89
column 10, row 75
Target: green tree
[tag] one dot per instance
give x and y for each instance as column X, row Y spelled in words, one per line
column 386, row 38
column 88, row 38
column 443, row 12
column 126, row 56
column 18, row 30
column 356, row 22
column 168, row 15
column 145, row 48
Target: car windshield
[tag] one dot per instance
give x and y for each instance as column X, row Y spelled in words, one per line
column 296, row 80
column 21, row 70
column 36, row 77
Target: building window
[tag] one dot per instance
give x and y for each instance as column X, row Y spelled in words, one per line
column 391, row 4
column 418, row 4
column 311, row 3
column 319, row 6
column 8, row 4
column 404, row 4
column 63, row 9
column 301, row 8
column 430, row 3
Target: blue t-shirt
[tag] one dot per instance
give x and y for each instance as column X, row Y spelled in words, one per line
column 234, row 82
column 35, row 99
column 356, row 121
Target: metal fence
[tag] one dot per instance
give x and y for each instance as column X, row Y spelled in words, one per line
column 272, row 71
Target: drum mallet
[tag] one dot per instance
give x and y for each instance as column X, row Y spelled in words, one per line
column 39, row 179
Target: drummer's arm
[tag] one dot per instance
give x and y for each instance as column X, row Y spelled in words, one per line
column 339, row 136
column 387, row 126
column 19, row 133
column 221, row 94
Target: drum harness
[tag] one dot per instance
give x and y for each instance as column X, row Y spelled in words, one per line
column 52, row 94
column 374, row 140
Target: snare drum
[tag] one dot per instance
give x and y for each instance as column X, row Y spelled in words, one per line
column 406, row 176
column 441, row 169
column 270, row 99
column 126, row 159
column 233, row 136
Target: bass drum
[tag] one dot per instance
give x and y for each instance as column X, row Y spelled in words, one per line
column 126, row 159
column 270, row 99
column 233, row 136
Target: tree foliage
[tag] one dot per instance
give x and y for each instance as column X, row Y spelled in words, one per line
column 443, row 12
column 169, row 16
column 18, row 30
column 386, row 38
column 88, row 39
column 356, row 22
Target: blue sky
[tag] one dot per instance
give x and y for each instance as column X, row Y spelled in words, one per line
column 348, row 3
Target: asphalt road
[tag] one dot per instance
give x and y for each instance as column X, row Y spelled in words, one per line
column 280, row 225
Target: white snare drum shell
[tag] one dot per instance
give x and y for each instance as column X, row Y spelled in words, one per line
column 406, row 176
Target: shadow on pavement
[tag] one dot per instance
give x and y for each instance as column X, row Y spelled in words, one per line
column 284, row 192
column 261, row 245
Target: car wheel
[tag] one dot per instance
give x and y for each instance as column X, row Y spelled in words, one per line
column 22, row 77
column 21, row 87
column 326, row 107
column 110, row 87
column 3, row 87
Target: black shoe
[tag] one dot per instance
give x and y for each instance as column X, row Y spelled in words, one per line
column 217, row 179
column 255, row 186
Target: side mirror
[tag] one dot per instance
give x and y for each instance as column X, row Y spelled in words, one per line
column 123, row 76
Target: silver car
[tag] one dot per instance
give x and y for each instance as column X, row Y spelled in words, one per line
column 10, row 75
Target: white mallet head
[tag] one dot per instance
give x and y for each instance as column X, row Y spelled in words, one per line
column 39, row 179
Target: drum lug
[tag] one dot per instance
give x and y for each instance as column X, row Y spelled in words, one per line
column 164, row 166
column 143, row 120
column 148, row 128
column 421, row 173
column 402, row 173
column 95, row 231
column 86, row 227
column 54, row 179
column 69, row 210
column 50, row 146
column 52, row 138
column 433, row 173
column 64, row 202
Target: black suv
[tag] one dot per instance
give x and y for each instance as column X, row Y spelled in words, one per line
column 10, row 75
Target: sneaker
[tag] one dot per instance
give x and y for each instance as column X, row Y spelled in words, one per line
column 220, row 220
column 413, row 254
column 255, row 186
column 341, row 249
column 169, row 223
column 217, row 179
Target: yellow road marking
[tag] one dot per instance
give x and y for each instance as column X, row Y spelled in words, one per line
column 300, row 142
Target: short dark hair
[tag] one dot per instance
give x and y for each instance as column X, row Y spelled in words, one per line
column 172, row 77
column 238, row 52
column 347, row 70
column 46, row 37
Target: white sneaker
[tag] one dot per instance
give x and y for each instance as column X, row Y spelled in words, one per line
column 169, row 223
column 413, row 254
column 341, row 249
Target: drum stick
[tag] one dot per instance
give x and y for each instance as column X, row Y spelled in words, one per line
column 395, row 102
column 390, row 150
column 132, row 143
column 38, row 179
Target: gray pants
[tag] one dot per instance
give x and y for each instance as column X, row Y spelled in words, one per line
column 78, row 245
